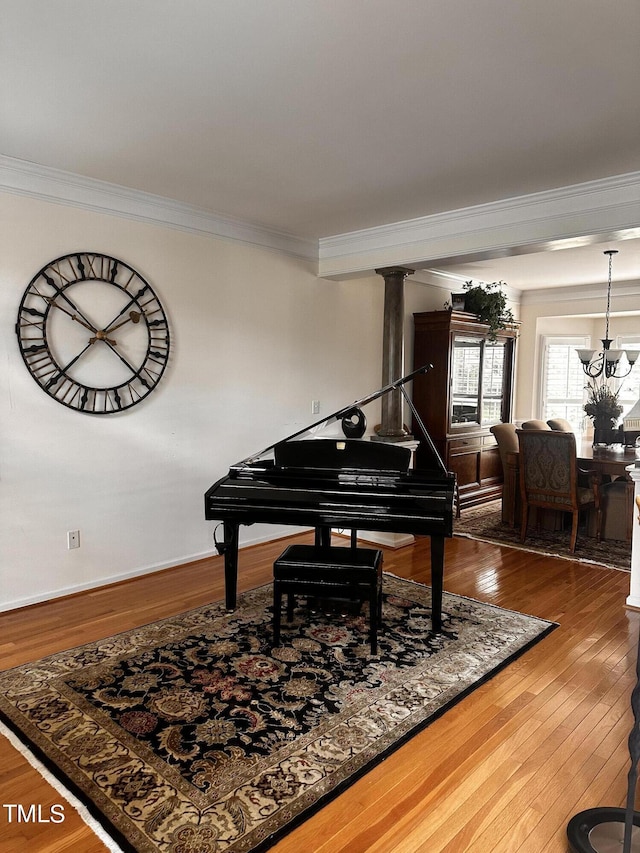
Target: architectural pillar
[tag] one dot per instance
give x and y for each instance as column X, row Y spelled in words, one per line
column 392, row 428
column 634, row 586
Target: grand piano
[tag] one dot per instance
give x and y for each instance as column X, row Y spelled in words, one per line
column 343, row 482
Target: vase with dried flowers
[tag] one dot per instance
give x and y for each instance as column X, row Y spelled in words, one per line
column 604, row 409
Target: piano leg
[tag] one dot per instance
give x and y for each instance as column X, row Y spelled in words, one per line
column 322, row 537
column 230, row 563
column 437, row 581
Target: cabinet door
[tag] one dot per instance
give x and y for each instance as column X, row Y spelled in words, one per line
column 478, row 381
column 493, row 383
column 466, row 372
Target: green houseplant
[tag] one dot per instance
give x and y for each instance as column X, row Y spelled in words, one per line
column 489, row 303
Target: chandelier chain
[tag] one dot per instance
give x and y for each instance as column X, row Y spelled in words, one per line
column 609, row 252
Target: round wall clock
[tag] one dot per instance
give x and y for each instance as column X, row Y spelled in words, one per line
column 92, row 333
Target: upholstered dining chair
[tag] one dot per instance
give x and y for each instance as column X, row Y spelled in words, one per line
column 507, row 440
column 550, row 479
column 560, row 424
column 535, row 424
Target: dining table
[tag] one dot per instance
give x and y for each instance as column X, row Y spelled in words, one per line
column 611, row 461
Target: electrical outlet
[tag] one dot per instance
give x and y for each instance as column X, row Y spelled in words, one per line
column 315, row 407
column 73, row 539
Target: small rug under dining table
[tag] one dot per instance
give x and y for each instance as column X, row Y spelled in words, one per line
column 195, row 734
column 485, row 523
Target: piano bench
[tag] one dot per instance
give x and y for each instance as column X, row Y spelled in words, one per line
column 316, row 570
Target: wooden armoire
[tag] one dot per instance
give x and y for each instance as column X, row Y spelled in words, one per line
column 469, row 389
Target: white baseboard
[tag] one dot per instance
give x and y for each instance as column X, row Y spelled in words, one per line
column 50, row 595
column 389, row 540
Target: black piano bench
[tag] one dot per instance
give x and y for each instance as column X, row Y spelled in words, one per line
column 316, row 570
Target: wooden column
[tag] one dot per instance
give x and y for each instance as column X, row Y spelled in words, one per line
column 392, row 428
column 633, row 599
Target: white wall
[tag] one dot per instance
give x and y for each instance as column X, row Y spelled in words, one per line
column 255, row 337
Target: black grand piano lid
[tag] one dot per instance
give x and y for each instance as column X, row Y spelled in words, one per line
column 288, row 453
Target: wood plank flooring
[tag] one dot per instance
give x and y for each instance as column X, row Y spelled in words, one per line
column 503, row 771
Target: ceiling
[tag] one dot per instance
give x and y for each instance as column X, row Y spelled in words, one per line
column 320, row 117
column 562, row 268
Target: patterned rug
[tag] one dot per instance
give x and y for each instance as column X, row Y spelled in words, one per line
column 194, row 734
column 485, row 523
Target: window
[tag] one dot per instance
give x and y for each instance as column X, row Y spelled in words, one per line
column 563, row 380
column 630, row 385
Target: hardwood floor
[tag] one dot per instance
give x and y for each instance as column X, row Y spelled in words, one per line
column 504, row 770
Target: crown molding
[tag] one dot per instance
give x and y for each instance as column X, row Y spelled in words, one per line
column 454, row 282
column 608, row 208
column 21, row 177
column 578, row 294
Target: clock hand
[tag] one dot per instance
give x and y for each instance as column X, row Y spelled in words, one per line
column 75, row 317
column 134, row 317
column 126, row 363
column 73, row 360
column 135, row 298
column 63, row 370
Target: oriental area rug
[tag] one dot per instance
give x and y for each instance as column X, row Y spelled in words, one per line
column 485, row 523
column 195, row 734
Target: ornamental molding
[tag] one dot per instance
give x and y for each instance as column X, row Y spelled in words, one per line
column 596, row 211
column 606, row 209
column 60, row 187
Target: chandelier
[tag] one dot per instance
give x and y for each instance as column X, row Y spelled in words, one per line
column 607, row 361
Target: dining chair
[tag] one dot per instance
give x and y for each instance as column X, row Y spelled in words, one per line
column 507, row 441
column 560, row 424
column 535, row 424
column 550, row 479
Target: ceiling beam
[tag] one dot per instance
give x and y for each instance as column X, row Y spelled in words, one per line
column 597, row 211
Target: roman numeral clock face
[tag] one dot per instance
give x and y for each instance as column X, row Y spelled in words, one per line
column 92, row 333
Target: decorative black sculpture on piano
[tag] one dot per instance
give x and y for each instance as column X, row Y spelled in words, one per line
column 354, row 423
column 323, row 483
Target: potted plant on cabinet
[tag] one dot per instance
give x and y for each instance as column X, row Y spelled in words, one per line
column 489, row 303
